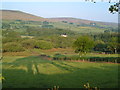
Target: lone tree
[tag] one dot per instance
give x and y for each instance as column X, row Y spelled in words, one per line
column 83, row 44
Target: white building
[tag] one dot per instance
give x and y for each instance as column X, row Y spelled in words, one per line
column 64, row 35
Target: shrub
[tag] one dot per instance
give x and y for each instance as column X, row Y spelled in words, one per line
column 59, row 57
column 28, row 43
column 40, row 44
column 12, row 47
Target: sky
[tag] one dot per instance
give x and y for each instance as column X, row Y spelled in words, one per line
column 82, row 10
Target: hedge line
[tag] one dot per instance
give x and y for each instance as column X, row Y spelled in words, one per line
column 91, row 59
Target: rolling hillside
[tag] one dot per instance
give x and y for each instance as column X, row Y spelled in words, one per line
column 72, row 20
column 19, row 15
column 82, row 21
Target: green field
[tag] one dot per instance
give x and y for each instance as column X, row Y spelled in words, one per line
column 66, row 52
column 38, row 72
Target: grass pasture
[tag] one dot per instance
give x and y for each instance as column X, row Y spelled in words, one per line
column 36, row 72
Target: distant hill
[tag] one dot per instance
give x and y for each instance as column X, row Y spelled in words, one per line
column 71, row 20
column 81, row 21
column 19, row 15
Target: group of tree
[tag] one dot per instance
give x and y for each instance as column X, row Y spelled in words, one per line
column 34, row 31
column 106, row 42
column 12, row 40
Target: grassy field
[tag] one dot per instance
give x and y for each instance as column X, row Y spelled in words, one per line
column 38, row 66
column 38, row 72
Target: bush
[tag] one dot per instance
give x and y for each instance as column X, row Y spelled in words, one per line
column 39, row 44
column 28, row 43
column 43, row 45
column 10, row 39
column 12, row 47
column 59, row 57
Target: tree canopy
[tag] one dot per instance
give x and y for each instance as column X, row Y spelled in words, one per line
column 83, row 44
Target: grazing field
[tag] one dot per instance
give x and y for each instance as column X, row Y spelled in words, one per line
column 38, row 72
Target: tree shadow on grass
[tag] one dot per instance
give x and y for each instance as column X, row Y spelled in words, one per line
column 62, row 67
column 35, row 60
column 76, row 78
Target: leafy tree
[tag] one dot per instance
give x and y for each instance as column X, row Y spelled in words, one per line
column 113, row 45
column 83, row 44
column 100, row 46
